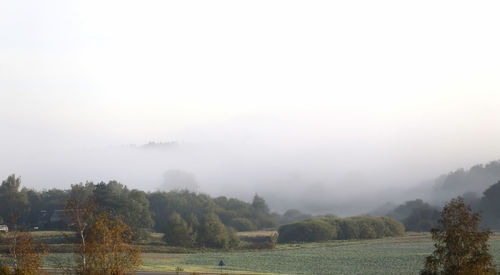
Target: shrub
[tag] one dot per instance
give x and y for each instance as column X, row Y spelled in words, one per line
column 349, row 229
column 330, row 228
column 306, row 231
column 392, row 227
column 366, row 231
column 5, row 270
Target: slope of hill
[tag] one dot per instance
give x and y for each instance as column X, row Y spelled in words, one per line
column 474, row 180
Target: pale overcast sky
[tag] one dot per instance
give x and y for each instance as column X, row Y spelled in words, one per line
column 402, row 83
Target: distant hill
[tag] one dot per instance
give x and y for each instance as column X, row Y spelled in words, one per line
column 159, row 145
column 422, row 211
column 474, row 180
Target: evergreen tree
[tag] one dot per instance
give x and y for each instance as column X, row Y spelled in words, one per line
column 14, row 201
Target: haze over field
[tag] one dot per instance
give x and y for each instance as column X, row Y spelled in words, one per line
column 329, row 107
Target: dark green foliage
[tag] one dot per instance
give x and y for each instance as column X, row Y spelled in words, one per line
column 416, row 215
column 133, row 205
column 193, row 222
column 349, row 229
column 211, row 233
column 183, row 202
column 234, row 240
column 404, row 210
column 43, row 205
column 392, row 227
column 461, row 248
column 242, row 224
column 259, row 204
column 422, row 219
column 331, row 228
column 366, row 231
column 260, row 214
column 490, row 206
column 315, row 230
column 194, row 225
column 368, row 227
column 141, row 211
column 14, row 201
column 187, row 203
column 214, row 234
column 177, row 232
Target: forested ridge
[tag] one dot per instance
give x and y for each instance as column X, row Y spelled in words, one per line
column 189, row 212
column 476, row 180
column 479, row 186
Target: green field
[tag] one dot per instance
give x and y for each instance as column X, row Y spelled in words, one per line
column 397, row 255
column 402, row 255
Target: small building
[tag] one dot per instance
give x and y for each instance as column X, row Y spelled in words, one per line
column 4, row 228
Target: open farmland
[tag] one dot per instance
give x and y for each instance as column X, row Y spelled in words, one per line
column 402, row 255
column 387, row 256
column 398, row 255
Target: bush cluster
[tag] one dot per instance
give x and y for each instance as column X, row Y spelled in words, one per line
column 334, row 228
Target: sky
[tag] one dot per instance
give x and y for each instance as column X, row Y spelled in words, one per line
column 394, row 91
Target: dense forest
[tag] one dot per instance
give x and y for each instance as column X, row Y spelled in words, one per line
column 189, row 212
column 472, row 181
column 143, row 212
column 420, row 216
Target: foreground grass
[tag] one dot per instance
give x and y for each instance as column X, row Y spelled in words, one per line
column 401, row 255
column 386, row 256
column 397, row 255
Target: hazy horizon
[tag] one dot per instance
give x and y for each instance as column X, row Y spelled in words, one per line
column 300, row 100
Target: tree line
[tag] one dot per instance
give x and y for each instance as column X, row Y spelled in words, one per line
column 334, row 228
column 103, row 242
column 142, row 212
column 420, row 216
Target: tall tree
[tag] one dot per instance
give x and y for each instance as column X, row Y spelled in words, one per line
column 461, row 248
column 177, row 231
column 80, row 210
column 212, row 232
column 260, row 205
column 133, row 205
column 14, row 201
column 260, row 214
column 109, row 247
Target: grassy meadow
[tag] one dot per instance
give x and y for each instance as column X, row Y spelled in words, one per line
column 398, row 255
column 395, row 255
column 401, row 255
